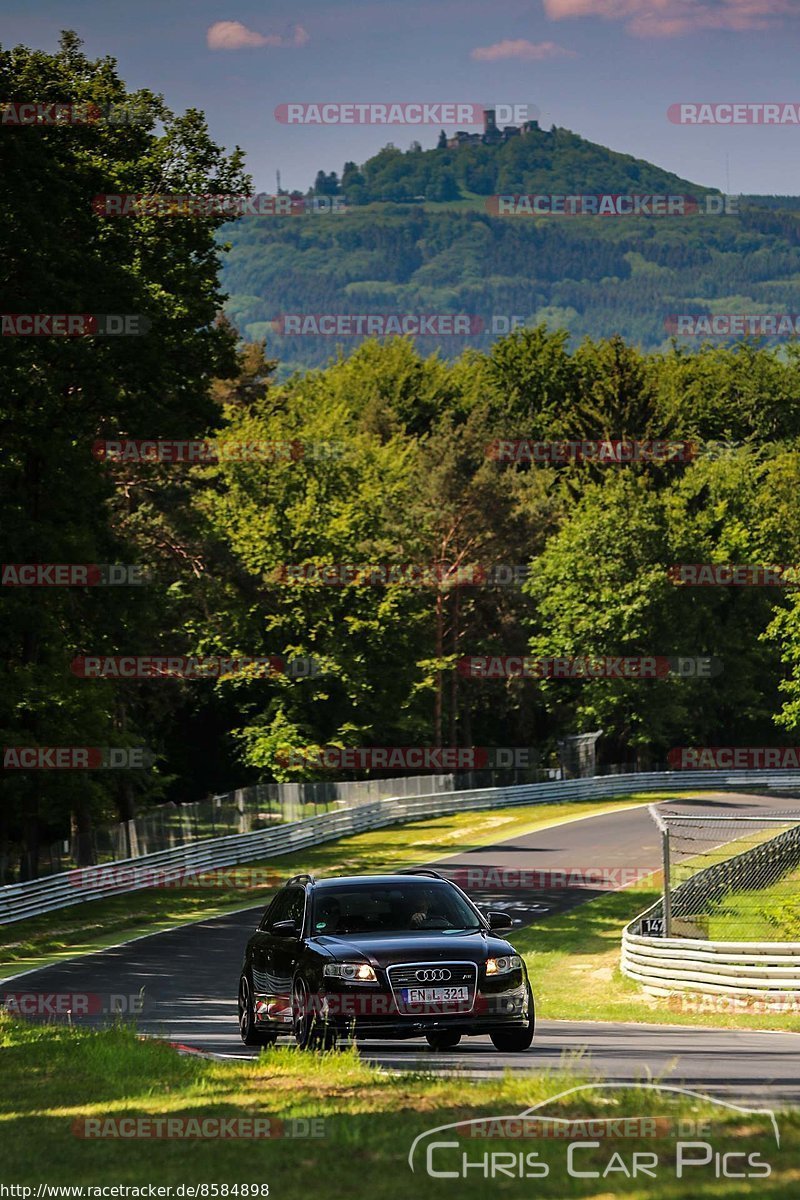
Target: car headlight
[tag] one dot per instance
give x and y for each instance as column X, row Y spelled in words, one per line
column 502, row 966
column 352, row 971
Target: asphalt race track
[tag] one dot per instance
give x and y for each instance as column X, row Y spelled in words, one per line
column 190, row 975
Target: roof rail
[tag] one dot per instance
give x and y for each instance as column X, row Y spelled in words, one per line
column 297, row 878
column 420, row 871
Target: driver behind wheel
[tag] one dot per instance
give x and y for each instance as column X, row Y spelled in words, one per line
column 419, row 918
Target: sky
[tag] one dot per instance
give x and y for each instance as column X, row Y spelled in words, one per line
column 606, row 69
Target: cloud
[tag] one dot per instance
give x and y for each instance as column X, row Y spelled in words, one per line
column 673, row 18
column 528, row 51
column 233, row 35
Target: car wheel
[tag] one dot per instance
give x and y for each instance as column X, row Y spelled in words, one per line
column 515, row 1041
column 309, row 1032
column 445, row 1039
column 251, row 1036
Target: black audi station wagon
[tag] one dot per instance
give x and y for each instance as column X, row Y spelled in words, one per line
column 382, row 956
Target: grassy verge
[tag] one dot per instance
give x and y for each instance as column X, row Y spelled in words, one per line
column 573, row 960
column 757, row 914
column 55, row 1078
column 86, row 927
column 770, row 914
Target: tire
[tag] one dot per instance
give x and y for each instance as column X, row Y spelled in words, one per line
column 445, row 1039
column 516, row 1041
column 247, row 1022
column 309, row 1032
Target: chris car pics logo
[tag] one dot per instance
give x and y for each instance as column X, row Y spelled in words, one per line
column 686, row 1148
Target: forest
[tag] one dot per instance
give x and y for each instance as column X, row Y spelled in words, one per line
column 378, row 460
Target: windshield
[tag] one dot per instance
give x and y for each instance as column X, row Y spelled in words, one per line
column 391, row 908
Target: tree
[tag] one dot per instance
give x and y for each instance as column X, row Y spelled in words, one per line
column 59, row 395
column 326, row 185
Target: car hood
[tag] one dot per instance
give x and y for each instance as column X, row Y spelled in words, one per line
column 382, row 950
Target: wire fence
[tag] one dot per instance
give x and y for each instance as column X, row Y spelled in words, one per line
column 244, row 810
column 729, row 878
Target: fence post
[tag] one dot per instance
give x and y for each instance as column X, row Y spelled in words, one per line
column 133, row 839
column 667, row 885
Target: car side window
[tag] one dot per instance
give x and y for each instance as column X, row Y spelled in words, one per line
column 287, row 906
column 267, row 917
column 297, row 907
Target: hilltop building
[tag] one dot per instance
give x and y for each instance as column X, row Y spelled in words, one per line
column 492, row 135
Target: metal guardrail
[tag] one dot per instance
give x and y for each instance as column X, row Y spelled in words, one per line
column 667, row 965
column 35, row 897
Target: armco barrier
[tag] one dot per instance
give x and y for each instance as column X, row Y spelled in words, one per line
column 20, row 900
column 664, row 966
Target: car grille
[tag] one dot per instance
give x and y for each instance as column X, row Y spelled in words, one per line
column 405, row 975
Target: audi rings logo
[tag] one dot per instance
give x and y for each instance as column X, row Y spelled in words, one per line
column 435, row 975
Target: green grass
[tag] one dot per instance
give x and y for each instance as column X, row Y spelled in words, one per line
column 54, row 1077
column 770, row 914
column 86, row 927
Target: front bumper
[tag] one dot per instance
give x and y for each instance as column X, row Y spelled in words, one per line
column 363, row 1013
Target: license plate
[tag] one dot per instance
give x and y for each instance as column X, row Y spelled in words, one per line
column 426, row 995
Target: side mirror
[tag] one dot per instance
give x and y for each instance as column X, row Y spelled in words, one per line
column 287, row 929
column 499, row 920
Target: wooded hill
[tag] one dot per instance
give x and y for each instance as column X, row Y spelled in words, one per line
column 589, row 275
